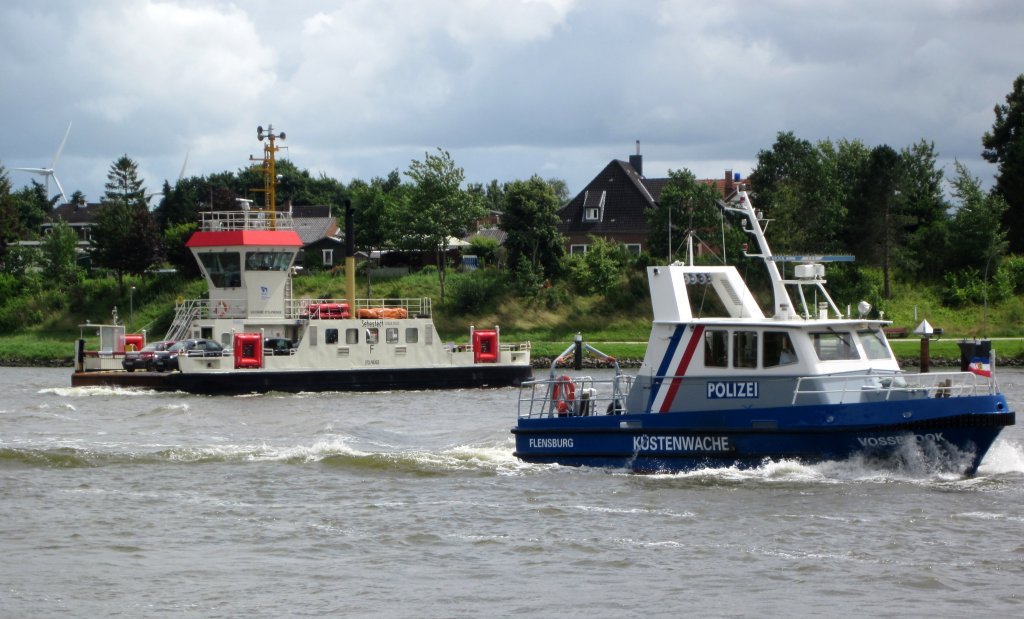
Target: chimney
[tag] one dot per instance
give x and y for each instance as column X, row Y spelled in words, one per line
column 637, row 160
column 729, row 187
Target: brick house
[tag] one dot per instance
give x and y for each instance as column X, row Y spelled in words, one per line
column 615, row 203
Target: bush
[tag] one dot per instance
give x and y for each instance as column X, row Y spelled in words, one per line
column 476, row 293
column 968, row 287
column 1012, row 268
column 19, row 313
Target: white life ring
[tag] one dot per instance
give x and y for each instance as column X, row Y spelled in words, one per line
column 222, row 308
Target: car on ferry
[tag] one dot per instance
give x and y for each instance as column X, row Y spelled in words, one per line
column 168, row 361
column 277, row 346
column 143, row 359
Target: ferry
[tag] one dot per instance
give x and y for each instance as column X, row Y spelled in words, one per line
column 256, row 336
column 724, row 384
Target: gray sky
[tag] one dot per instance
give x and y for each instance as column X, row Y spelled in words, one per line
column 511, row 88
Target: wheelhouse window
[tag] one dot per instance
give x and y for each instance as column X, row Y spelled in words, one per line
column 330, row 336
column 268, row 260
column 391, row 335
column 351, row 336
column 224, row 268
column 716, row 349
column 778, row 349
column 744, row 349
column 834, row 346
column 412, row 335
column 372, row 335
column 874, row 344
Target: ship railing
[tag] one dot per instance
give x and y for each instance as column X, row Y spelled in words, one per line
column 224, row 221
column 852, row 388
column 197, row 309
column 581, row 396
column 468, row 346
column 335, row 308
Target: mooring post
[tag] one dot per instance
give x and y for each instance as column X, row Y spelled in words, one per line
column 924, row 354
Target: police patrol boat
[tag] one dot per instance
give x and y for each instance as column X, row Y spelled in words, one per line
column 354, row 344
column 723, row 384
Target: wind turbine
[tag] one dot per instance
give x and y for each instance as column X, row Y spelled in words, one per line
column 52, row 170
column 181, row 175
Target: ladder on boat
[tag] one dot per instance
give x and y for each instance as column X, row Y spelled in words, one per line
column 184, row 314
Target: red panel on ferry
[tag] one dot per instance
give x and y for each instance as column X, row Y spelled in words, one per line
column 280, row 238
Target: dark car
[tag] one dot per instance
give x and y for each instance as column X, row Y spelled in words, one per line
column 143, row 359
column 278, row 346
column 168, row 360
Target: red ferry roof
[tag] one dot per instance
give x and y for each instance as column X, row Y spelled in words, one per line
column 280, row 238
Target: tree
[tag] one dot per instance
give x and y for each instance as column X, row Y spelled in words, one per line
column 980, row 233
column 561, row 189
column 685, row 204
column 60, row 256
column 10, row 226
column 1004, row 145
column 437, row 208
column 124, row 237
column 530, row 221
column 880, row 205
column 33, row 207
column 800, row 187
column 926, row 222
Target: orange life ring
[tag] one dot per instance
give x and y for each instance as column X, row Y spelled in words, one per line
column 222, row 308
column 563, row 394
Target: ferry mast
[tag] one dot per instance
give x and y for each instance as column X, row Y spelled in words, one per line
column 269, row 190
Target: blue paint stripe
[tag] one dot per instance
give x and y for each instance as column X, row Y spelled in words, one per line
column 666, row 362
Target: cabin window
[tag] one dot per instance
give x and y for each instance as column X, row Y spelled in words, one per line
column 224, row 268
column 268, row 260
column 372, row 335
column 834, row 346
column 716, row 349
column 351, row 336
column 778, row 349
column 412, row 335
column 391, row 335
column 330, row 336
column 744, row 349
column 874, row 344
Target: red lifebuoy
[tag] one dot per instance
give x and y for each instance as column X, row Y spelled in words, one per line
column 222, row 307
column 563, row 394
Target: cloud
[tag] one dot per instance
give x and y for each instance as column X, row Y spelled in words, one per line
column 510, row 87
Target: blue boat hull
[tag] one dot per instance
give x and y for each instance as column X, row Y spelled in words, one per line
column 956, row 433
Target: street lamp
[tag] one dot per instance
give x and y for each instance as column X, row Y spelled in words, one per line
column 131, row 307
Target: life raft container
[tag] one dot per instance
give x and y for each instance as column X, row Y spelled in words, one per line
column 485, row 346
column 248, row 349
column 563, row 394
column 374, row 313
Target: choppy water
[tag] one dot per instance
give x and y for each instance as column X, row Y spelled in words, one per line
column 410, row 504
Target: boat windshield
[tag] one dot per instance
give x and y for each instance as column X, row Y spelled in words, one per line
column 874, row 344
column 834, row 346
